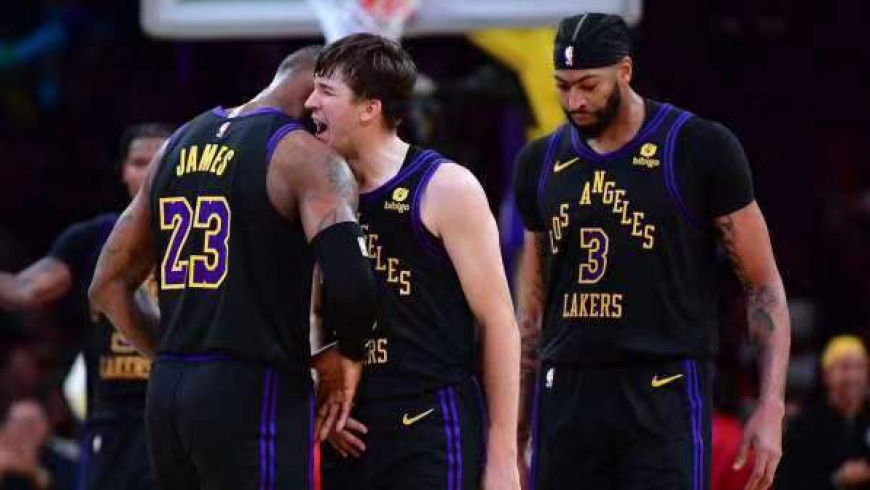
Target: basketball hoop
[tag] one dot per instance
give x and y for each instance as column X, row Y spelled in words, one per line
column 338, row 18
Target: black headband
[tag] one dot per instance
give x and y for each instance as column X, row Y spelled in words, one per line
column 590, row 40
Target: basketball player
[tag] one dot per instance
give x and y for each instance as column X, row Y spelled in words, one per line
column 421, row 420
column 622, row 205
column 114, row 438
column 226, row 215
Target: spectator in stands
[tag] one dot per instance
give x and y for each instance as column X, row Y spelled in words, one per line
column 26, row 461
column 827, row 445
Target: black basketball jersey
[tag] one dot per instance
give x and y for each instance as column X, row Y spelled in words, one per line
column 630, row 270
column 234, row 275
column 116, row 373
column 424, row 336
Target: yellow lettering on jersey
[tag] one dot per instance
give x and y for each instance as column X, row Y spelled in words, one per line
column 405, row 283
column 218, row 158
column 618, row 203
column 223, row 165
column 380, row 266
column 392, row 269
column 625, row 220
column 120, row 345
column 649, row 240
column 637, row 220
column 598, row 186
column 207, row 157
column 130, row 367
column 607, row 196
column 192, row 159
column 592, row 305
column 377, row 351
column 586, row 198
column 179, row 169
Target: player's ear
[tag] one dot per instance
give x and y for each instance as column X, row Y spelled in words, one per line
column 370, row 110
column 625, row 70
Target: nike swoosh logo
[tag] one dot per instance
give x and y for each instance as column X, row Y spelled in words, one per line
column 559, row 166
column 658, row 383
column 413, row 420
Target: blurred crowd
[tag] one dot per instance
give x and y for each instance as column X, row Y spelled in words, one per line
column 74, row 73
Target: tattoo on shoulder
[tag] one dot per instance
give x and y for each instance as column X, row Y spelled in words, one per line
column 341, row 180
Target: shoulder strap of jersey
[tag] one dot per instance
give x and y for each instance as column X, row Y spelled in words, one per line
column 425, row 238
column 671, row 183
column 279, row 134
column 546, row 166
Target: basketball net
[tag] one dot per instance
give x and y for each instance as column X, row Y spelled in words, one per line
column 339, row 18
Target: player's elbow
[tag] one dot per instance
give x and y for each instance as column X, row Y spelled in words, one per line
column 98, row 294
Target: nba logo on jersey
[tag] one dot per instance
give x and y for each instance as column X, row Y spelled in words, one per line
column 550, row 375
column 223, row 129
column 569, row 56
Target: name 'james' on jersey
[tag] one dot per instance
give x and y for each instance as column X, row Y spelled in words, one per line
column 234, row 275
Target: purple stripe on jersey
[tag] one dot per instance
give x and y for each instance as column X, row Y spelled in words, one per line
column 277, row 136
column 581, row 148
column 535, row 427
column 693, row 412
column 264, row 416
column 221, row 112
column 670, row 172
column 418, row 160
column 547, row 166
column 435, row 249
column 451, row 392
column 272, row 430
column 205, row 357
column 450, row 459
column 311, row 442
column 702, row 453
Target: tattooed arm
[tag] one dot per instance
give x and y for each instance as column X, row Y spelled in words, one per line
column 125, row 263
column 531, row 295
column 745, row 237
column 309, row 183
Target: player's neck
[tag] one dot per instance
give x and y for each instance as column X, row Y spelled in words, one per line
column 379, row 159
column 625, row 126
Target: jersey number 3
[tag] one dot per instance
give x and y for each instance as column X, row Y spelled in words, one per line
column 206, row 270
column 596, row 243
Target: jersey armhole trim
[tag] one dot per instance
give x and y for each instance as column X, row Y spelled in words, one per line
column 555, row 138
column 277, row 136
column 670, row 172
column 425, row 238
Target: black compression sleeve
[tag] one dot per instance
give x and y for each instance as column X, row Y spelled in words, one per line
column 349, row 295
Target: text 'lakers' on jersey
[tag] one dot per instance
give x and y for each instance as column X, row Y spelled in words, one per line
column 234, row 275
column 424, row 335
column 630, row 270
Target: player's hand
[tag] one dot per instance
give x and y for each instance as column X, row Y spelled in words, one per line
column 349, row 440
column 501, row 472
column 763, row 437
column 338, row 378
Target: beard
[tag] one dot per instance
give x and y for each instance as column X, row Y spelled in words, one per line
column 603, row 117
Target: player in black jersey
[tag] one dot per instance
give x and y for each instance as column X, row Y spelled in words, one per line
column 622, row 205
column 421, row 420
column 115, row 453
column 226, row 215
